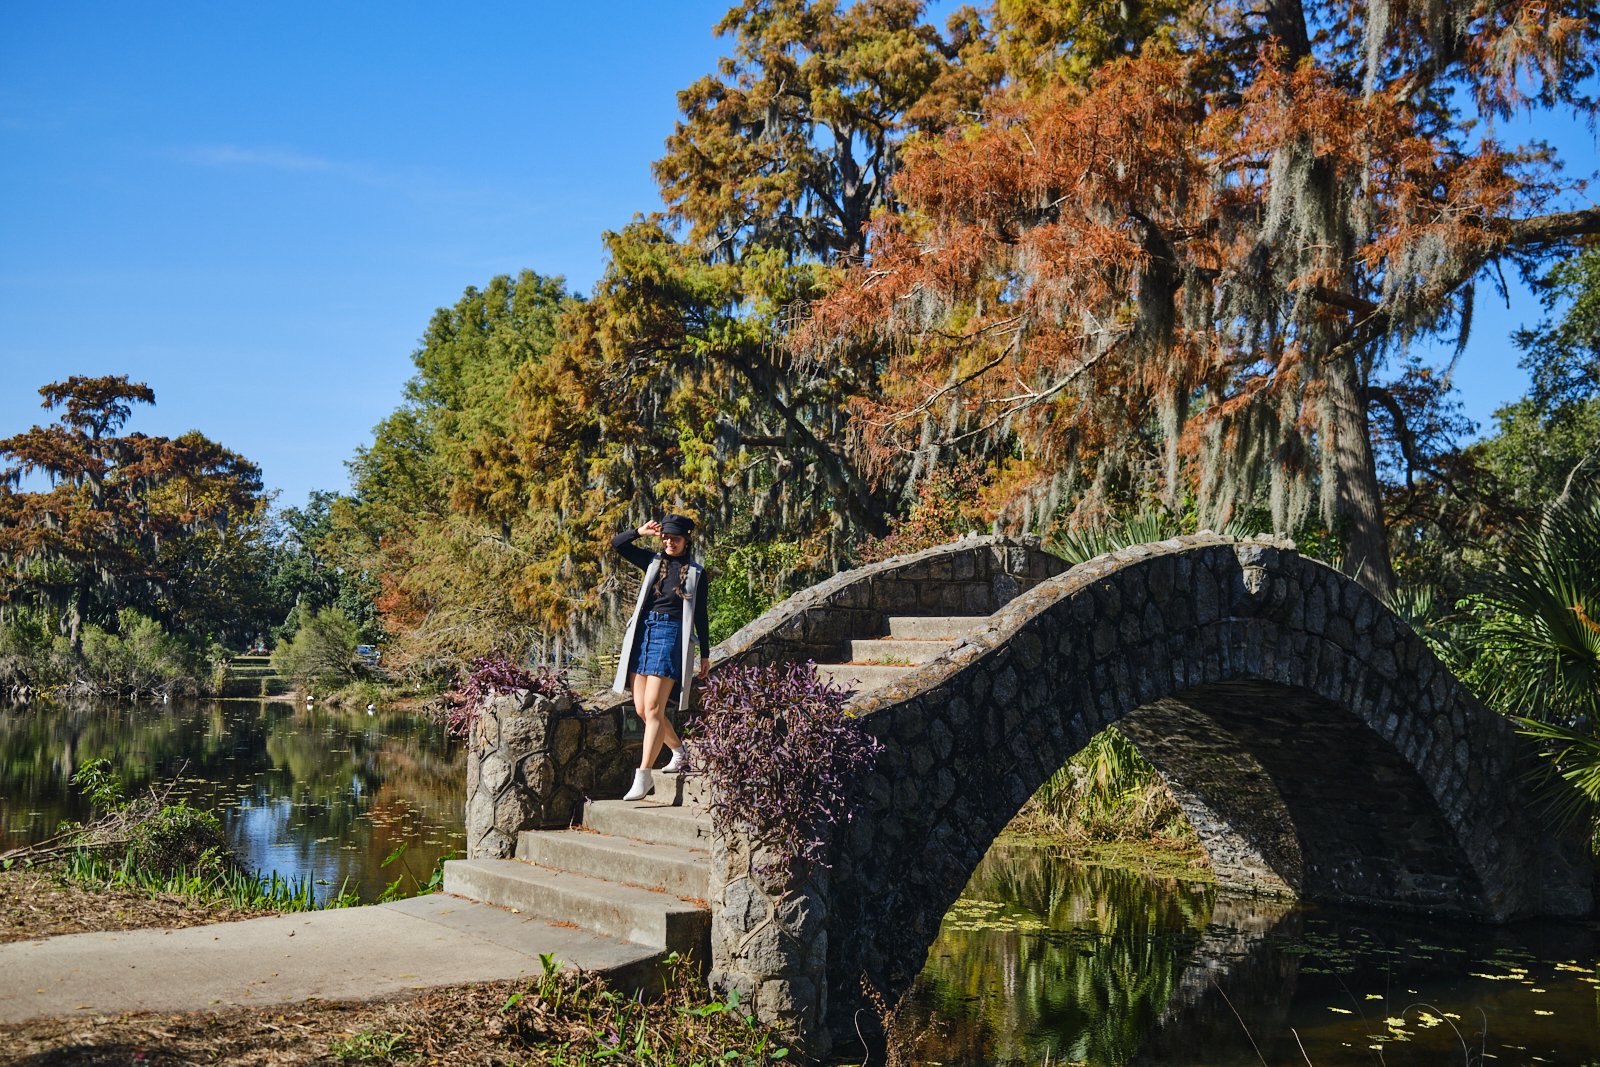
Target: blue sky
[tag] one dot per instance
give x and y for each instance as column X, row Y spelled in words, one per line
column 255, row 209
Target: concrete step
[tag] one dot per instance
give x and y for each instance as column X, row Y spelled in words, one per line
column 241, row 687
column 645, row 917
column 861, row 677
column 935, row 627
column 661, row 824
column 897, row 651
column 685, row 872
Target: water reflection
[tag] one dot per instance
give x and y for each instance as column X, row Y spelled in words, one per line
column 1046, row 960
column 300, row 791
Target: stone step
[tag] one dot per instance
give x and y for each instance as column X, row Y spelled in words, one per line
column 862, row 677
column 935, row 627
column 684, row 872
column 660, row 824
column 645, row 917
column 241, row 687
column 897, row 651
column 685, row 790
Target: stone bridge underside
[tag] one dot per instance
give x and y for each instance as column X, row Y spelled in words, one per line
column 1316, row 744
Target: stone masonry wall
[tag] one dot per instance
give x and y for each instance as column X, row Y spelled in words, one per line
column 531, row 762
column 769, row 941
column 1317, row 745
column 769, row 938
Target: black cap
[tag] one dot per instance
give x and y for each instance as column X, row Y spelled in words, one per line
column 682, row 525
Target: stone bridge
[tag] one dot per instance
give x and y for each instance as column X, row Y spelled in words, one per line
column 1316, row 744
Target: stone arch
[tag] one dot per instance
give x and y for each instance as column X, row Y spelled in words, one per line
column 1317, row 745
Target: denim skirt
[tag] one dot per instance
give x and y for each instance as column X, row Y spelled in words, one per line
column 658, row 646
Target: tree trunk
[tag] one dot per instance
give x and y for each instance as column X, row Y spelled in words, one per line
column 1360, row 501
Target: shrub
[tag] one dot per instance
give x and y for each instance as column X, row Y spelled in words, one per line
column 139, row 657
column 749, row 579
column 178, row 837
column 1107, row 792
column 1532, row 645
column 1148, row 525
column 31, row 653
column 322, row 651
column 497, row 673
column 949, row 506
column 784, row 756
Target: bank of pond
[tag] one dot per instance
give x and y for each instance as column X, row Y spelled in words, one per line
column 1044, row 958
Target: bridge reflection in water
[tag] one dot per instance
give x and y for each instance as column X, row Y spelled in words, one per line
column 1044, row 958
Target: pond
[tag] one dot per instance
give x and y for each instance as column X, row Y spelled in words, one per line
column 1047, row 960
column 316, row 792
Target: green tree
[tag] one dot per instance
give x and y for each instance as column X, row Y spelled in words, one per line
column 1549, row 440
column 301, row 575
column 1533, row 636
column 1466, row 505
column 780, row 159
column 460, row 558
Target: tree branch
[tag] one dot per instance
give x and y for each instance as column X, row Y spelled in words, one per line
column 1557, row 226
column 1402, row 429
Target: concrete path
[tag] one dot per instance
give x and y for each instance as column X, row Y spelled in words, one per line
column 343, row 954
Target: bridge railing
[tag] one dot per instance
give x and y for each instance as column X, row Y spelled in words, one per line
column 973, row 576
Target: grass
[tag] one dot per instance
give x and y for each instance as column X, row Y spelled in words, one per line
column 210, row 883
column 1107, row 792
column 371, row 1046
column 576, row 1020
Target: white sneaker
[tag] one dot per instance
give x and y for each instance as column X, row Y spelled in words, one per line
column 642, row 786
column 675, row 764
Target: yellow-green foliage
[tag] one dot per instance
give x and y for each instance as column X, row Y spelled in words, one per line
column 1107, row 791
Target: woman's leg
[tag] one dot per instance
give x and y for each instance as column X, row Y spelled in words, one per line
column 657, row 727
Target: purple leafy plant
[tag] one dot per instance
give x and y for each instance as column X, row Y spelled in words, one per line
column 784, row 758
column 493, row 674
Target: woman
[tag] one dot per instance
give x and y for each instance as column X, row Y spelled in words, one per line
column 657, row 650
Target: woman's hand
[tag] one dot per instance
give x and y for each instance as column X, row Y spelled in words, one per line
column 705, row 670
column 650, row 529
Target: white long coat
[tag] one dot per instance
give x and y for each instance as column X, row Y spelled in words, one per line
column 688, row 650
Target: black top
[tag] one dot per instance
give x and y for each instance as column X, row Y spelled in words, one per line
column 668, row 599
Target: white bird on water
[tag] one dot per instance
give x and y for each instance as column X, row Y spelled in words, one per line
column 370, row 708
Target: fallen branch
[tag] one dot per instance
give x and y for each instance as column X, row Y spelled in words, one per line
column 114, row 829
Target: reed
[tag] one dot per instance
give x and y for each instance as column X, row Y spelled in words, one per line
column 207, row 883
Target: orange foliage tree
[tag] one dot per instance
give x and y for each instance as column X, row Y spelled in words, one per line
column 128, row 520
column 1195, row 264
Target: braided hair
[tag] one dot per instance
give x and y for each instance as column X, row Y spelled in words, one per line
column 683, row 570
